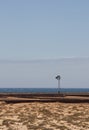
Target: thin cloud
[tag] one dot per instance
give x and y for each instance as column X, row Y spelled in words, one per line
column 45, row 60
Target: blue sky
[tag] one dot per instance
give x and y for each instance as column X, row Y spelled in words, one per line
column 41, row 30
column 44, row 29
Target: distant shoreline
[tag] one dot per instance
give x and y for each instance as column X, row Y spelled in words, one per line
column 41, row 97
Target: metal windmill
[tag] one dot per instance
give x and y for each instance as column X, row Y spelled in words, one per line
column 58, row 77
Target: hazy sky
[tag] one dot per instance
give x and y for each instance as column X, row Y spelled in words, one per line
column 74, row 73
column 44, row 29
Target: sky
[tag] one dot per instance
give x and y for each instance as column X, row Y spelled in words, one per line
column 41, row 73
column 35, row 30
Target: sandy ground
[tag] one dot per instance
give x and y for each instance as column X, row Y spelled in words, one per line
column 44, row 116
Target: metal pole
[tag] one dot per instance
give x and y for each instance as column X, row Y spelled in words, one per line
column 58, row 85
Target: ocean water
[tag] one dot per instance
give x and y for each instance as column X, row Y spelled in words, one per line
column 43, row 90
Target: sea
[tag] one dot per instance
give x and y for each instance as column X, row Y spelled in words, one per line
column 44, row 90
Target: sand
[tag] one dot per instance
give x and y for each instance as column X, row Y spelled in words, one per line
column 44, row 116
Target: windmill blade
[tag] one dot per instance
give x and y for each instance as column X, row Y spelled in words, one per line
column 58, row 77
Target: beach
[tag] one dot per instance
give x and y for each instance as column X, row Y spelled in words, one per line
column 44, row 116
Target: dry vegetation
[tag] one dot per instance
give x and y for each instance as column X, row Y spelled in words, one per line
column 44, row 116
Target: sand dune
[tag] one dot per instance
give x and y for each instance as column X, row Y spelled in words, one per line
column 44, row 116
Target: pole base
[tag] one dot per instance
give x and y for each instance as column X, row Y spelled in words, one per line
column 58, row 92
